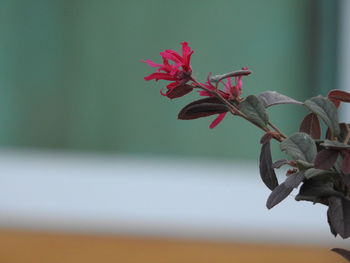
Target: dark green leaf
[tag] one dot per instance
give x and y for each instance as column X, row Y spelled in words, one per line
column 270, row 98
column 339, row 215
column 343, row 252
column 267, row 173
column 333, row 231
column 311, row 126
column 299, row 146
column 326, row 110
column 312, row 172
column 202, row 108
column 345, row 183
column 317, row 189
column 284, row 189
column 253, row 108
column 338, row 164
column 303, row 165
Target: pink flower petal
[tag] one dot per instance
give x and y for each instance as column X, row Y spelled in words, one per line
column 172, row 55
column 186, row 50
column 158, row 76
column 220, row 117
column 173, row 85
column 228, row 85
column 239, row 82
column 175, row 69
column 151, row 63
column 186, row 53
column 208, row 85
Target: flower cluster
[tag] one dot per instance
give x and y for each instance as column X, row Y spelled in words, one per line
column 176, row 68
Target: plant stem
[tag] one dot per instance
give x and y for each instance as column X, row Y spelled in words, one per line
column 235, row 111
column 277, row 130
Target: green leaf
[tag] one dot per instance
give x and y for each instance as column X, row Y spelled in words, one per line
column 302, row 165
column 334, row 145
column 311, row 126
column 313, row 172
column 270, row 98
column 299, row 146
column 254, row 109
column 326, row 110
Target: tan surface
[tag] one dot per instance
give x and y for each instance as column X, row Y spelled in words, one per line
column 35, row 247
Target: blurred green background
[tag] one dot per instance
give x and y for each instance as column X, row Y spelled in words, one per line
column 71, row 76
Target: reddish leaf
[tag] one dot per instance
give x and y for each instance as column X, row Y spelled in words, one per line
column 343, row 252
column 337, row 96
column 295, row 179
column 284, row 189
column 202, row 108
column 267, row 172
column 325, row 159
column 339, row 215
column 335, row 101
column 278, row 195
column 333, row 231
column 311, row 126
column 179, row 91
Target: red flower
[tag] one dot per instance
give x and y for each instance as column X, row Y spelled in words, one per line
column 230, row 92
column 179, row 71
